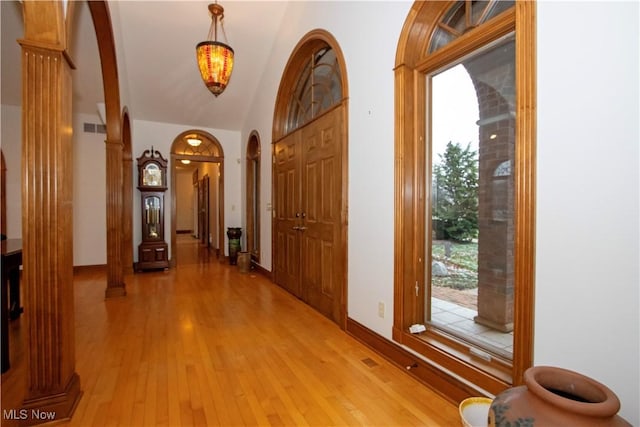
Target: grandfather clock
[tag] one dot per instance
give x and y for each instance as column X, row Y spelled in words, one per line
column 152, row 183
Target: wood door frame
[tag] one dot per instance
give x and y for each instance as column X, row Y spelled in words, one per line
column 206, row 204
column 307, row 44
column 3, row 197
column 252, row 196
column 127, row 194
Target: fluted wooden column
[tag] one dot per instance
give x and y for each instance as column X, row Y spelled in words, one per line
column 52, row 383
column 115, row 275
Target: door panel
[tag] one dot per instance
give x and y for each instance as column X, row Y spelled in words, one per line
column 321, row 198
column 287, row 202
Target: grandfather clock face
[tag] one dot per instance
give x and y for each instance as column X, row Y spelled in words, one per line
column 152, row 175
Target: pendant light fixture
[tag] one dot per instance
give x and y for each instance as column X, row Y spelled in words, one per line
column 215, row 59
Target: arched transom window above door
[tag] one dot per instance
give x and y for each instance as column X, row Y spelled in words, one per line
column 197, row 144
column 318, row 88
column 313, row 83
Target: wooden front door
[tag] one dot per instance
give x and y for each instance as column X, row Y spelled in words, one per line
column 310, row 253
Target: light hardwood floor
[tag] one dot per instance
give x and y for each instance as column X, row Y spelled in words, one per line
column 203, row 344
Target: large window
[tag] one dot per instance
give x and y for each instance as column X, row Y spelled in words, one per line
column 464, row 190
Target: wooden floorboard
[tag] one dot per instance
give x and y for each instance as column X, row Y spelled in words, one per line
column 205, row 345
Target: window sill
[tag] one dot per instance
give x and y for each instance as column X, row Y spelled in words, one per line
column 493, row 376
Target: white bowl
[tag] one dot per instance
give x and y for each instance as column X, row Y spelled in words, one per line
column 474, row 411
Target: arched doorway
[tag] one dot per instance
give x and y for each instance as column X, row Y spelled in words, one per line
column 114, row 147
column 202, row 148
column 310, row 176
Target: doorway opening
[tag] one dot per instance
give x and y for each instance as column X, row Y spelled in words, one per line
column 197, row 196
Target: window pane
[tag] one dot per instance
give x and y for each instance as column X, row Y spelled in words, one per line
column 471, row 244
column 300, row 106
column 456, row 22
column 326, row 80
column 319, row 87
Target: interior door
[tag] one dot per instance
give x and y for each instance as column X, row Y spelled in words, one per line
column 322, row 258
column 287, row 214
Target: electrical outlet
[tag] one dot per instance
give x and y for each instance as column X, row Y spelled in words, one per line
column 381, row 309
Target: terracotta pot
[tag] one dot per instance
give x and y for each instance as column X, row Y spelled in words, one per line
column 556, row 397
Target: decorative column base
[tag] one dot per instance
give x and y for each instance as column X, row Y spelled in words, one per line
column 115, row 291
column 501, row 327
column 55, row 407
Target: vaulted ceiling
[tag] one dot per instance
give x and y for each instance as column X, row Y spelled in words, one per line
column 155, row 47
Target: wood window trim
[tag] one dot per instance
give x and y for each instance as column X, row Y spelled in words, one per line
column 410, row 191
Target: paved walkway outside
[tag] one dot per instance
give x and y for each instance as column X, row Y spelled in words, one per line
column 456, row 310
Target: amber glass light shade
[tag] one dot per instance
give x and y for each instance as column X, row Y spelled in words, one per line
column 215, row 61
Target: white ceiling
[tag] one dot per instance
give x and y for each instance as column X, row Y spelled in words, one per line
column 155, row 46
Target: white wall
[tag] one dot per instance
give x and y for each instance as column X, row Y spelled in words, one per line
column 161, row 135
column 184, row 200
column 11, row 143
column 586, row 307
column 89, row 193
column 89, row 185
column 587, row 253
